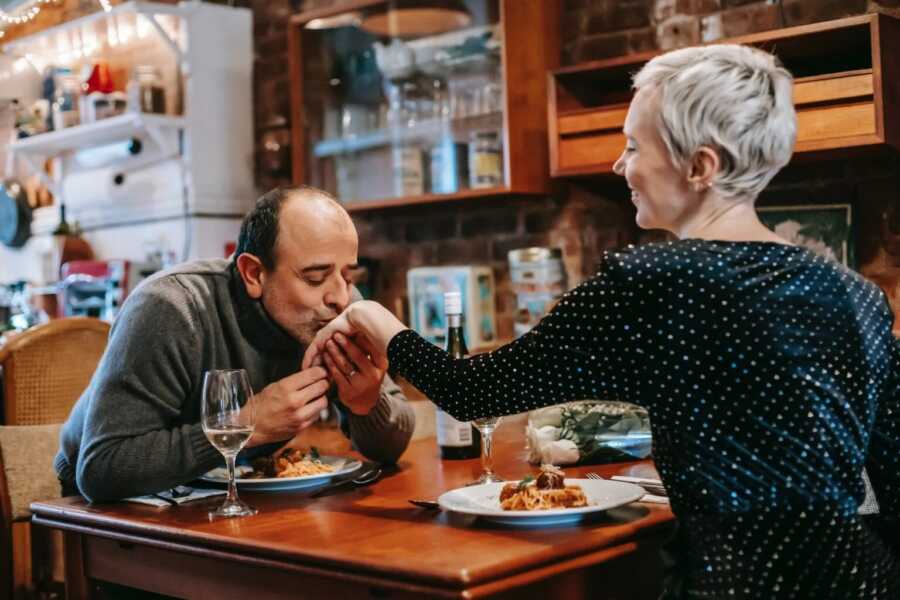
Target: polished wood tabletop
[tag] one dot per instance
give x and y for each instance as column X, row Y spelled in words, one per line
column 363, row 542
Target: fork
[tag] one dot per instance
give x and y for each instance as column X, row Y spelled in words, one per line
column 651, row 486
column 370, row 476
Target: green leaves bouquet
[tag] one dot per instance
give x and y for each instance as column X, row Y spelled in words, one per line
column 588, row 431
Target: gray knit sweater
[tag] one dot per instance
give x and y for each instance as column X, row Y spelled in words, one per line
column 136, row 429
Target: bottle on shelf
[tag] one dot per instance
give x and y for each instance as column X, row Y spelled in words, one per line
column 447, row 159
column 457, row 440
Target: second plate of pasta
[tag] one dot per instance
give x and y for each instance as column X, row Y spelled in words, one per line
column 484, row 501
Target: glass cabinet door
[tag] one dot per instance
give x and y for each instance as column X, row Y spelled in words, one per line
column 403, row 105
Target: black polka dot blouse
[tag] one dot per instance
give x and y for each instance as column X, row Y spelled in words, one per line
column 772, row 379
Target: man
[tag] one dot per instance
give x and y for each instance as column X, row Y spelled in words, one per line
column 136, row 429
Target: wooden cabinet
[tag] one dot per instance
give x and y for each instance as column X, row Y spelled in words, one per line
column 846, row 92
column 421, row 115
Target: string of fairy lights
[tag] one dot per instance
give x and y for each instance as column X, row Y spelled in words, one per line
column 29, row 10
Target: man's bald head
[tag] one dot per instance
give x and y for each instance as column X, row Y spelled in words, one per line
column 302, row 207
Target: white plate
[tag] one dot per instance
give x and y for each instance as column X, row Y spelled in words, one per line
column 484, row 501
column 342, row 466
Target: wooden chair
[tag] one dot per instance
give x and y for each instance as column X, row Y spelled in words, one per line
column 45, row 370
column 27, row 475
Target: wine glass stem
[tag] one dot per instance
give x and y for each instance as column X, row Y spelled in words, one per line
column 487, row 451
column 232, row 488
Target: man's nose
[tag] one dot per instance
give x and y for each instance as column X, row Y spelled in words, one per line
column 338, row 295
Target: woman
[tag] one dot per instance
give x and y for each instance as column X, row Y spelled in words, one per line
column 770, row 374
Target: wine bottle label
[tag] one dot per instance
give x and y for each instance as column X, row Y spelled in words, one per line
column 451, row 432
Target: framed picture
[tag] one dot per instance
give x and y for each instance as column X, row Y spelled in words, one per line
column 824, row 228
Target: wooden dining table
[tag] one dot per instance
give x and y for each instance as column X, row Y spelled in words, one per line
column 366, row 542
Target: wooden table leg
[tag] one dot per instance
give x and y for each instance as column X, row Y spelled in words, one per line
column 78, row 587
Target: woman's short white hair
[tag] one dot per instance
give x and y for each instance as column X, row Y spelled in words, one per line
column 735, row 99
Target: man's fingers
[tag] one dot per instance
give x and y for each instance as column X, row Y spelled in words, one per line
column 308, row 414
column 302, row 379
column 355, row 353
column 309, row 357
column 311, row 392
column 339, row 357
column 379, row 359
column 340, row 378
column 313, row 351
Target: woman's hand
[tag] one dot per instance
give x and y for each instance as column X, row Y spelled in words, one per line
column 366, row 318
column 357, row 370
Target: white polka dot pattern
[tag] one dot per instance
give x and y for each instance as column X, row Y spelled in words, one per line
column 771, row 378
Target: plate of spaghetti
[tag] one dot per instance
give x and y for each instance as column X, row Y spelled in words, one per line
column 288, row 469
column 548, row 499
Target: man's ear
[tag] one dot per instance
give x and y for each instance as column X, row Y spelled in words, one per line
column 703, row 168
column 253, row 273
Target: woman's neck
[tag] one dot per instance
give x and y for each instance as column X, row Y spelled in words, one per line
column 728, row 220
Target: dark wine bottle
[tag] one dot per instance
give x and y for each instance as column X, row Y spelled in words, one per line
column 457, row 440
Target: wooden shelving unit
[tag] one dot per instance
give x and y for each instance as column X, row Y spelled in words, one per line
column 530, row 34
column 846, row 92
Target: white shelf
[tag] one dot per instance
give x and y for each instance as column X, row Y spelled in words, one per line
column 423, row 130
column 99, row 133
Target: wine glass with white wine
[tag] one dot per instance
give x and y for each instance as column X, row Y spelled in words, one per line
column 228, row 418
column 486, row 427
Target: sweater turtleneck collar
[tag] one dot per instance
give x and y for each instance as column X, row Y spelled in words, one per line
column 257, row 326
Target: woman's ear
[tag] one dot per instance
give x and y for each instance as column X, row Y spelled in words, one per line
column 253, row 273
column 703, row 168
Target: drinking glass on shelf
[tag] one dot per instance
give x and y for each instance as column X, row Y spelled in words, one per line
column 486, row 427
column 493, row 97
column 228, row 418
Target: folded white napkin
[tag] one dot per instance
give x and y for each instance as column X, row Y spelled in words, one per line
column 157, row 501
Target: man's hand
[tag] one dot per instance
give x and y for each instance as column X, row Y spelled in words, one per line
column 357, row 370
column 287, row 406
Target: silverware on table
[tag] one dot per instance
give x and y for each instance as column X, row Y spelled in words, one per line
column 165, row 498
column 653, row 486
column 369, row 476
column 179, row 491
column 429, row 504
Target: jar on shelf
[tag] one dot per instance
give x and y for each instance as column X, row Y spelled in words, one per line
column 145, row 90
column 485, row 159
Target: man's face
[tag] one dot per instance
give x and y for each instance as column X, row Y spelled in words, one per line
column 315, row 256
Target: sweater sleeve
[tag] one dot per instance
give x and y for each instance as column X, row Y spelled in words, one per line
column 582, row 349
column 383, row 434
column 135, row 440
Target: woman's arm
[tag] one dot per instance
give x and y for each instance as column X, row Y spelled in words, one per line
column 583, row 349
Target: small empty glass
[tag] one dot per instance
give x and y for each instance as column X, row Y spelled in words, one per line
column 486, row 427
column 228, row 418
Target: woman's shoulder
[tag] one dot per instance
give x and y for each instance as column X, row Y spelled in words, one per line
column 725, row 262
column 732, row 264
column 659, row 257
column 714, row 254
